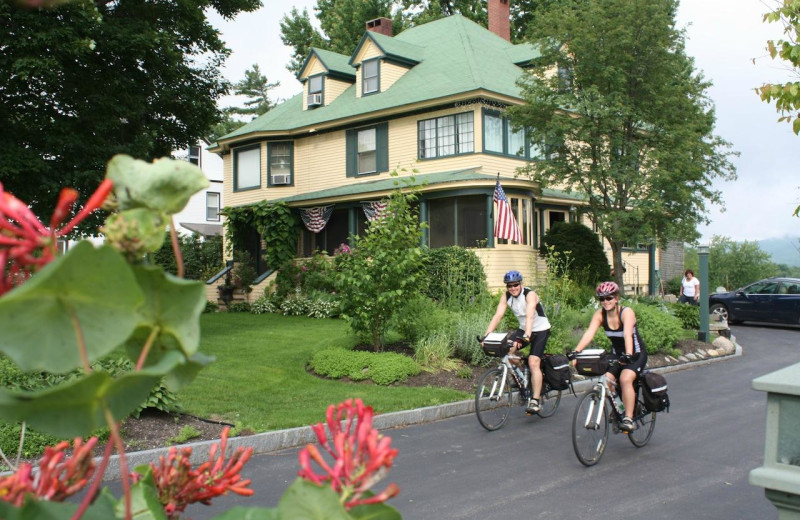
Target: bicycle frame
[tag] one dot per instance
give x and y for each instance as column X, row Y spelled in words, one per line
column 505, row 364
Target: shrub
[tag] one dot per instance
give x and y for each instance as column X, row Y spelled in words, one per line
column 433, row 352
column 322, row 305
column 239, row 307
column 202, row 257
column 463, row 332
column 566, row 330
column 588, row 262
column 244, row 274
column 210, row 307
column 659, row 329
column 382, row 368
column 420, row 316
column 674, row 285
column 266, row 303
column 688, row 314
column 454, row 276
column 295, row 305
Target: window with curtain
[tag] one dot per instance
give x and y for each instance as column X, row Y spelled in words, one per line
column 247, row 168
column 369, row 76
column 367, row 151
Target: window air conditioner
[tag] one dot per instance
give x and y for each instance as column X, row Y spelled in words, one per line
column 315, row 100
column 280, row 179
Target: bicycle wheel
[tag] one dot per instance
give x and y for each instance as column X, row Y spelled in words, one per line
column 589, row 433
column 493, row 403
column 645, row 424
column 549, row 401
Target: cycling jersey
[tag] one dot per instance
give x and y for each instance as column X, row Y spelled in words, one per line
column 519, row 305
column 617, row 336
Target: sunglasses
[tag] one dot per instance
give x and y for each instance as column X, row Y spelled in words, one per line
column 605, row 298
column 510, row 285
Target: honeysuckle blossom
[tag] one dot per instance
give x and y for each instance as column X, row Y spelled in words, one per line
column 361, row 456
column 26, row 245
column 179, row 484
column 59, row 476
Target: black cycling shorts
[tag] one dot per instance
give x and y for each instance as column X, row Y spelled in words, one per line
column 538, row 341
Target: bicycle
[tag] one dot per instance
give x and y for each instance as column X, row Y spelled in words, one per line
column 494, row 395
column 597, row 410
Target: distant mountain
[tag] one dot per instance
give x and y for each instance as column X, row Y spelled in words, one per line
column 783, row 250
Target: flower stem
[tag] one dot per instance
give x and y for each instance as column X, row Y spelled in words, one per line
column 80, row 340
column 147, row 346
column 123, row 461
column 176, row 248
column 92, row 491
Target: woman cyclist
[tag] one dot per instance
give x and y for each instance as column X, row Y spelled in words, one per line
column 619, row 324
column 534, row 328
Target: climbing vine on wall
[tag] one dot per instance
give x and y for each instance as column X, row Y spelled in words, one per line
column 274, row 222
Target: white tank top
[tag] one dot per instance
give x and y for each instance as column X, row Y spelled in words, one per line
column 518, row 306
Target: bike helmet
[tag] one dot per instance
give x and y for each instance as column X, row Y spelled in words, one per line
column 607, row 289
column 512, row 276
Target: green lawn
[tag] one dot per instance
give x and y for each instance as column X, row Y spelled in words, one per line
column 259, row 379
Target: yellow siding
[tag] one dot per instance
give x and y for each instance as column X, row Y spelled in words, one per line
column 501, row 259
column 367, row 51
column 334, row 88
column 314, row 67
column 389, row 74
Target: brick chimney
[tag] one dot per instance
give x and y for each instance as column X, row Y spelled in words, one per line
column 500, row 18
column 383, row 25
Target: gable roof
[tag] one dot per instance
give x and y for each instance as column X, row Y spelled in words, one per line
column 337, row 64
column 392, row 48
column 457, row 56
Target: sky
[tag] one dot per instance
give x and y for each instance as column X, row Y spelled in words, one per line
column 727, row 40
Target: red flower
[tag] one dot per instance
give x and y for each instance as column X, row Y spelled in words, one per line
column 361, row 456
column 179, row 484
column 26, row 245
column 59, row 476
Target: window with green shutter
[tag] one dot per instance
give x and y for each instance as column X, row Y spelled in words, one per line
column 368, row 150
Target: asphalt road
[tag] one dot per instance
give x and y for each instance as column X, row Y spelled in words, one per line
column 696, row 465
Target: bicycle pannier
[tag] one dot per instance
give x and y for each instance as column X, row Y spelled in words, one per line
column 592, row 362
column 556, row 372
column 654, row 392
column 496, row 344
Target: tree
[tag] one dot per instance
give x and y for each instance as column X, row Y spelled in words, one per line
column 786, row 96
column 343, row 21
column 380, row 272
column 255, row 87
column 577, row 248
column 626, row 122
column 734, row 264
column 85, row 80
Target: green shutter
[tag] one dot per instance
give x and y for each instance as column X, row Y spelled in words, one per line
column 382, row 147
column 351, row 151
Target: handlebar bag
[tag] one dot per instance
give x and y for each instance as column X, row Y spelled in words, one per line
column 556, row 372
column 497, row 344
column 654, row 392
column 592, row 362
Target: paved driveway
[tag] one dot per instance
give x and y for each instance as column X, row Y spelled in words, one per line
column 695, row 467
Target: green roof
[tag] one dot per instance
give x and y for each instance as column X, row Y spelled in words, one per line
column 457, row 56
column 339, row 64
column 381, row 185
column 392, row 48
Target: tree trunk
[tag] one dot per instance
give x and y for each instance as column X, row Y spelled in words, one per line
column 617, row 268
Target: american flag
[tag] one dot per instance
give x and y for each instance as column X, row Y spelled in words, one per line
column 315, row 219
column 374, row 210
column 505, row 225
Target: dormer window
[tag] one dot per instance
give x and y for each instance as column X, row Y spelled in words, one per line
column 369, row 76
column 315, row 91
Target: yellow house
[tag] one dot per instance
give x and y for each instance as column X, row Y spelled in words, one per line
column 430, row 99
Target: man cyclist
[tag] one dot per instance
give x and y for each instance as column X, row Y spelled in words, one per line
column 619, row 324
column 534, row 329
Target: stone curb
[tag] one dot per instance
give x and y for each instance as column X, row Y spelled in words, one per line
column 283, row 439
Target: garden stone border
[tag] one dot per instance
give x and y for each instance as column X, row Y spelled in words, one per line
column 292, row 438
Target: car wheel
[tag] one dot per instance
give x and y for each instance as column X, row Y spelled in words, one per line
column 719, row 311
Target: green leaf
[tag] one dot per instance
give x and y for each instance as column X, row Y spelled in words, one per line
column 144, row 499
column 375, row 512
column 248, row 513
column 186, row 372
column 75, row 408
column 101, row 509
column 304, row 500
column 165, row 185
column 36, row 319
column 173, row 306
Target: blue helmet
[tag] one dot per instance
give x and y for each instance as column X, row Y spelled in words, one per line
column 512, row 276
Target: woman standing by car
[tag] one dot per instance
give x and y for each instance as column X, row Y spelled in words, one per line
column 690, row 288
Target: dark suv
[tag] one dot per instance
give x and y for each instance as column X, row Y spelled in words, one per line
column 772, row 299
